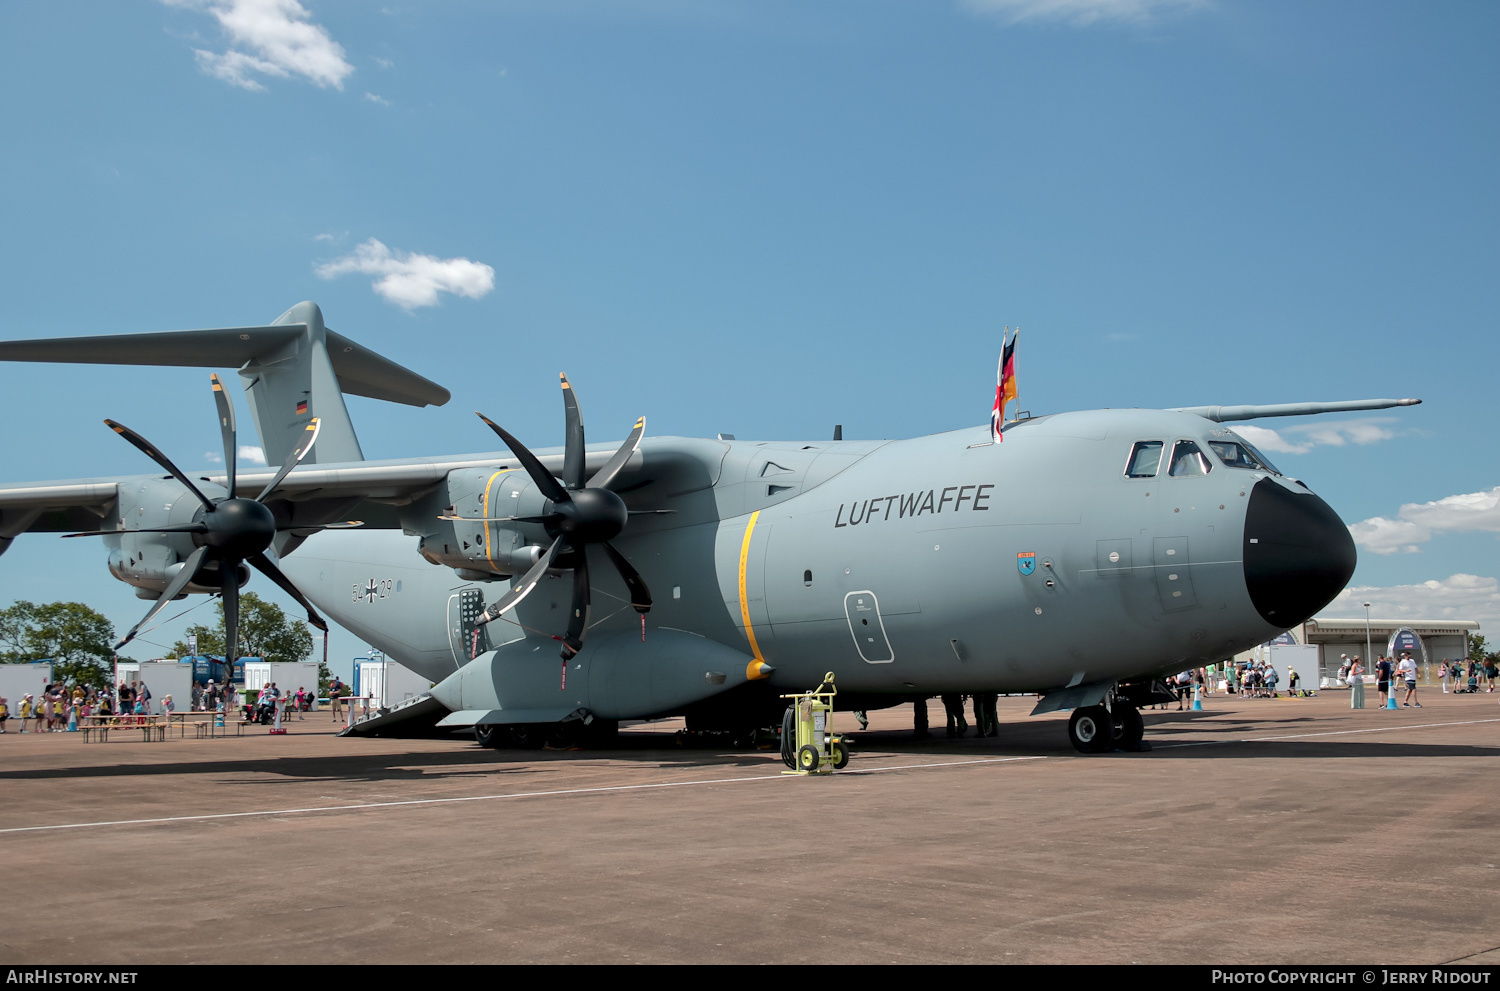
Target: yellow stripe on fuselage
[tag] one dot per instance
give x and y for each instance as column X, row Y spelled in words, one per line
column 485, row 511
column 752, row 670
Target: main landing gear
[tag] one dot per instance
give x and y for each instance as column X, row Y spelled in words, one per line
column 1096, row 729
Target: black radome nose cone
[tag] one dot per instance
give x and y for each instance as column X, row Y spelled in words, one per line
column 1298, row 553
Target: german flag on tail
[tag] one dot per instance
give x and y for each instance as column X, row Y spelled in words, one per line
column 1005, row 385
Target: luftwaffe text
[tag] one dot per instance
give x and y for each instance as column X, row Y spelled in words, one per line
column 954, row 498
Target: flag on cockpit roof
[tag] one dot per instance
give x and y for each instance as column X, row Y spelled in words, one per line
column 1005, row 385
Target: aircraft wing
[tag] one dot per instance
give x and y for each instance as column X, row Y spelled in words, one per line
column 366, row 490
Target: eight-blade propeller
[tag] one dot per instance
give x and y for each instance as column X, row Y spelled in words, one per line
column 577, row 514
column 226, row 532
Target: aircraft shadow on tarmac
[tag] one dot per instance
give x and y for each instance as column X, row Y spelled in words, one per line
column 462, row 761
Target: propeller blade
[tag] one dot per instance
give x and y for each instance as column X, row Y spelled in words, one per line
column 616, row 461
column 226, row 427
column 176, row 528
column 145, row 447
column 229, row 594
column 174, row 589
column 640, row 595
column 542, row 477
column 573, row 444
column 346, row 525
column 523, row 588
column 264, row 565
column 652, row 512
column 295, row 458
column 496, row 519
column 578, row 620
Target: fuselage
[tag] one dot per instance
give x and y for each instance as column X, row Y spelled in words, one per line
column 1085, row 547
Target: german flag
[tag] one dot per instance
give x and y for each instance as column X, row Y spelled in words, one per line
column 1005, row 385
column 302, row 407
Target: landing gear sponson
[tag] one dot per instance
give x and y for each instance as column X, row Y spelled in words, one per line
column 1116, row 723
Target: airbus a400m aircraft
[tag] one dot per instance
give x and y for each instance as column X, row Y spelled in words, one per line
column 1081, row 557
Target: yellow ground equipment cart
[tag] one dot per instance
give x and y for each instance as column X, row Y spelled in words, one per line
column 808, row 744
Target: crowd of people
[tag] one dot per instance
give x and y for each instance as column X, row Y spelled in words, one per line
column 60, row 708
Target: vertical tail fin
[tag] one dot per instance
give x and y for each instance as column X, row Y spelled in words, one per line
column 290, row 384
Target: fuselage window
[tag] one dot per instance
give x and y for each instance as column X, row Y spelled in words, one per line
column 1188, row 459
column 1145, row 457
column 1238, row 454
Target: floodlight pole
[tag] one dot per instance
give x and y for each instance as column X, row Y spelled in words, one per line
column 1369, row 658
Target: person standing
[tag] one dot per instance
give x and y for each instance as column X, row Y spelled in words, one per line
column 953, row 703
column 1443, row 675
column 1356, row 678
column 919, row 729
column 1383, row 679
column 1407, row 669
column 986, row 720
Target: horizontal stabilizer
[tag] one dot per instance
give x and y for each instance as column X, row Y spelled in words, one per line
column 360, row 371
column 1223, row 414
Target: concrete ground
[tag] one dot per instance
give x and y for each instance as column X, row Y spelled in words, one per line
column 1256, row 831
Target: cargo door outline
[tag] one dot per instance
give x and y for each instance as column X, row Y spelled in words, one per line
column 869, row 639
column 1174, row 573
column 464, row 609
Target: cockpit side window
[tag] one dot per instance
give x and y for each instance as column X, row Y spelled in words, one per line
column 1239, row 454
column 1188, row 459
column 1145, row 458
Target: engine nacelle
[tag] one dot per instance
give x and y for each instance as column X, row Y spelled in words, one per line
column 149, row 561
column 471, row 547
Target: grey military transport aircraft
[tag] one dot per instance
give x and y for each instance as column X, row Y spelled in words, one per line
column 700, row 577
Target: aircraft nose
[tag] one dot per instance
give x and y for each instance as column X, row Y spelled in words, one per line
column 1297, row 556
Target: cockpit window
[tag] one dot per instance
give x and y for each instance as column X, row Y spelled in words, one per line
column 1188, row 459
column 1239, row 454
column 1145, row 457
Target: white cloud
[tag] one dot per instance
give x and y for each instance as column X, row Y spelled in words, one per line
column 1079, row 12
column 1301, row 439
column 250, row 453
column 377, row 99
column 1459, row 596
column 273, row 38
column 412, row 280
column 384, row 63
column 1416, row 523
column 244, row 454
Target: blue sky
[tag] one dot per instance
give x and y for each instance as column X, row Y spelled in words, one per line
column 768, row 217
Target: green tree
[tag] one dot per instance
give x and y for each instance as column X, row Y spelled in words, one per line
column 265, row 632
column 78, row 640
column 1476, row 648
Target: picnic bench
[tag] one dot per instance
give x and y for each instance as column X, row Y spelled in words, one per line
column 96, row 729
